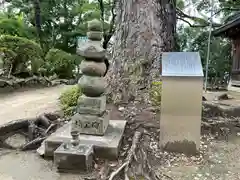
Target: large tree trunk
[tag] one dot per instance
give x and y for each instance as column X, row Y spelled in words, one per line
column 144, row 29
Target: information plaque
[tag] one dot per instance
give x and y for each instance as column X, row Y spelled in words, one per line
column 181, row 64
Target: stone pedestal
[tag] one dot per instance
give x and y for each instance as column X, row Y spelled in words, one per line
column 90, row 124
column 91, row 105
column 106, row 146
column 69, row 158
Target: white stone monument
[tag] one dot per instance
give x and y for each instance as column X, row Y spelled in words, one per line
column 181, row 102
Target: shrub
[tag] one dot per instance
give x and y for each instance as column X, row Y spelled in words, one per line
column 68, row 99
column 60, row 62
column 14, row 26
column 20, row 51
column 155, row 93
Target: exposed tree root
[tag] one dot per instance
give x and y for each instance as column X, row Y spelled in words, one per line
column 50, row 128
column 129, row 158
column 36, row 130
column 33, row 144
column 137, row 164
column 212, row 109
column 43, row 120
column 31, row 130
column 131, row 154
column 117, row 171
column 220, row 126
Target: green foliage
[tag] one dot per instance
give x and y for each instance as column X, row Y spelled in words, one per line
column 21, row 51
column 9, row 55
column 60, row 63
column 196, row 39
column 155, row 93
column 15, row 26
column 68, row 99
column 11, row 27
column 180, row 4
column 62, row 21
column 230, row 8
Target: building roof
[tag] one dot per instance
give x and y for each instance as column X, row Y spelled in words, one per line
column 223, row 30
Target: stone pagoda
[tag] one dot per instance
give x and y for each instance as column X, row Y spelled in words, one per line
column 92, row 117
column 90, row 131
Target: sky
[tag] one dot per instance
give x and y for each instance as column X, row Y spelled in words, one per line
column 192, row 11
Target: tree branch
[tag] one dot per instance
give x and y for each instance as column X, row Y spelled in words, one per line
column 101, row 6
column 182, row 15
column 191, row 25
column 107, row 36
column 225, row 9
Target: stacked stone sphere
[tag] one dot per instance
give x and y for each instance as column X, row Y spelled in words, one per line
column 93, row 67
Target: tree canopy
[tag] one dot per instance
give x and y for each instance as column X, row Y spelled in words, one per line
column 56, row 24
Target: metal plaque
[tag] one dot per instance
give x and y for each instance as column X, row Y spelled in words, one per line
column 81, row 40
column 181, row 64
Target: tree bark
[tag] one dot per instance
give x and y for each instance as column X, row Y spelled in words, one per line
column 144, row 29
column 37, row 12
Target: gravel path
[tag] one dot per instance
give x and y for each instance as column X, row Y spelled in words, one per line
column 221, row 162
column 29, row 103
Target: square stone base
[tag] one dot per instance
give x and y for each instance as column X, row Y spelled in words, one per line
column 70, row 158
column 91, row 105
column 90, row 124
column 106, row 146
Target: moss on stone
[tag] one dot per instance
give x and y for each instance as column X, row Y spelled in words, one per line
column 95, row 35
column 95, row 25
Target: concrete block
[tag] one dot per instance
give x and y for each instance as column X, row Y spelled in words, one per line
column 106, row 146
column 69, row 158
column 91, row 105
column 181, row 102
column 90, row 124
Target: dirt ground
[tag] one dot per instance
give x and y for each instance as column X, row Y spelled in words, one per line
column 29, row 166
column 218, row 159
column 221, row 162
column 29, row 103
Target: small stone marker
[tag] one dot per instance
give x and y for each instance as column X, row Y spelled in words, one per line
column 181, row 102
column 69, row 158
